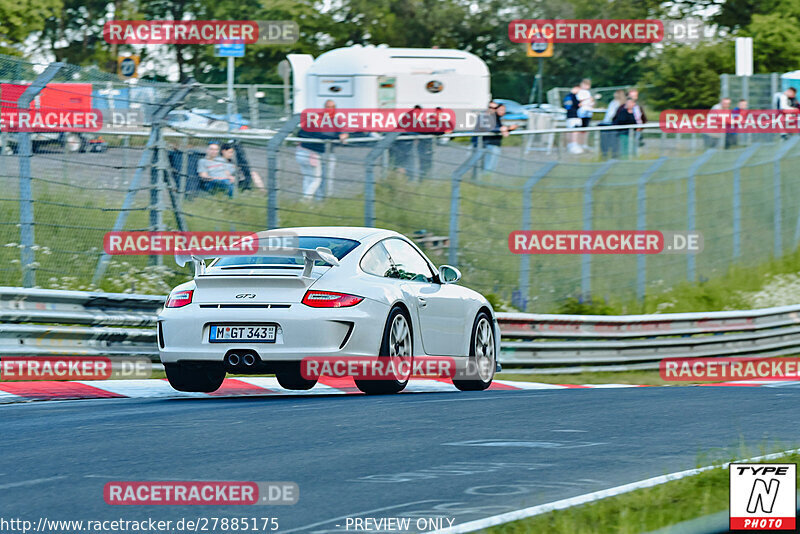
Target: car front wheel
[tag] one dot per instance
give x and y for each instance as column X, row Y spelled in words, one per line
column 482, row 358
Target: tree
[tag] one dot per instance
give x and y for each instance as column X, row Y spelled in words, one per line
column 20, row 18
column 775, row 45
column 687, row 77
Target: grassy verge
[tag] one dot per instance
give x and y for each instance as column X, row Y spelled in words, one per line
column 638, row 511
column 651, row 378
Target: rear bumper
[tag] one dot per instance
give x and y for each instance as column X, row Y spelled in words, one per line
column 303, row 331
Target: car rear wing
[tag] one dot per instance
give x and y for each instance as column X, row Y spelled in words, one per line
column 309, row 256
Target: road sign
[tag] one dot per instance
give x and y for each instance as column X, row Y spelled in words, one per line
column 229, row 50
column 539, row 46
column 744, row 56
column 128, row 67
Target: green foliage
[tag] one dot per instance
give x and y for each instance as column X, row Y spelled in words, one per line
column 19, row 18
column 775, row 44
column 574, row 306
column 687, row 77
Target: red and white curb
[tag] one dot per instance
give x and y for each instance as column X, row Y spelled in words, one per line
column 14, row 392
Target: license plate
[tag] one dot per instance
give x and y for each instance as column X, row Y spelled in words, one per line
column 242, row 333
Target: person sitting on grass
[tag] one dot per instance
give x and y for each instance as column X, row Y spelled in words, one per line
column 216, row 172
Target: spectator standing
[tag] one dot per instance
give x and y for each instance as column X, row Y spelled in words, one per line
column 715, row 139
column 787, row 103
column 493, row 143
column 626, row 115
column 571, row 104
column 732, row 136
column 585, row 109
column 215, row 172
column 309, row 156
column 609, row 140
column 638, row 112
column 786, row 100
column 401, row 152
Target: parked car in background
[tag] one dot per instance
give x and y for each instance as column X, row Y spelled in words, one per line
column 204, row 119
column 57, row 141
column 515, row 112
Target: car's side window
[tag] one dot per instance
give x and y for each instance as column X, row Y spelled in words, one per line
column 407, row 263
column 376, row 261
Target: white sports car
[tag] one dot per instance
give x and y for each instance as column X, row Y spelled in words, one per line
column 338, row 292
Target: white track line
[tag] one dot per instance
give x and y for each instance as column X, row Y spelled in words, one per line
column 478, row 524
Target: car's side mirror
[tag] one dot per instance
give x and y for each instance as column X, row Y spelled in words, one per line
column 449, row 274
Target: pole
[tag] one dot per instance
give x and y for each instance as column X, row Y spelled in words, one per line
column 230, row 93
column 25, row 152
column 539, row 82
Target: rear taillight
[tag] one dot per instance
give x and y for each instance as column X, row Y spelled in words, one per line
column 330, row 299
column 179, row 299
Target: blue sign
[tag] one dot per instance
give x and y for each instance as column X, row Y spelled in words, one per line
column 229, row 50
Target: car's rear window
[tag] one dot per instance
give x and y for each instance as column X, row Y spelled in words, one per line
column 339, row 246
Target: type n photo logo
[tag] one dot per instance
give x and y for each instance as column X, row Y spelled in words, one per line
column 763, row 496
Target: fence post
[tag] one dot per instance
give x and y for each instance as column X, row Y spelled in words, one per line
column 737, row 198
column 776, row 194
column 326, row 187
column 25, row 151
column 691, row 199
column 773, row 88
column 252, row 101
column 369, row 176
column 632, row 142
column 184, row 173
column 159, row 115
column 641, row 223
column 455, row 201
column 273, row 146
column 588, row 200
column 157, row 171
column 525, row 259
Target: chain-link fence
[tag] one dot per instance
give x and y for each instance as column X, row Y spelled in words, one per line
column 458, row 200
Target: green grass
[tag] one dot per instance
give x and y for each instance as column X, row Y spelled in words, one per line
column 638, row 511
column 71, row 222
column 651, row 378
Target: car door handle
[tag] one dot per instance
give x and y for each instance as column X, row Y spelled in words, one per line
column 422, row 302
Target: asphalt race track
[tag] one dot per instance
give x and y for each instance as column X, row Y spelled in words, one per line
column 460, row 456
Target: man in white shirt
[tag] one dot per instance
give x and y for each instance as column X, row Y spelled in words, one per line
column 585, row 108
column 786, row 99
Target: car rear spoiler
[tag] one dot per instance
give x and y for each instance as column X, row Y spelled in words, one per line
column 309, row 255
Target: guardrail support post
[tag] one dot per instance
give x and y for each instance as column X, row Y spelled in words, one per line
column 691, row 200
column 586, row 259
column 776, row 194
column 737, row 198
column 273, row 146
column 25, row 150
column 369, row 175
column 455, row 202
column 641, row 223
column 525, row 259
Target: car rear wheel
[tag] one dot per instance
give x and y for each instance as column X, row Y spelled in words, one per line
column 397, row 348
column 202, row 377
column 290, row 377
column 482, row 358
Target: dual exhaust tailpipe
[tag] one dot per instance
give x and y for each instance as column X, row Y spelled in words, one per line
column 241, row 360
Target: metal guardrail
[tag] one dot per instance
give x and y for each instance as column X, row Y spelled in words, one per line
column 43, row 322
column 571, row 343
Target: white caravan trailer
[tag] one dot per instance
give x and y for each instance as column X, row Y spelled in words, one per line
column 382, row 77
